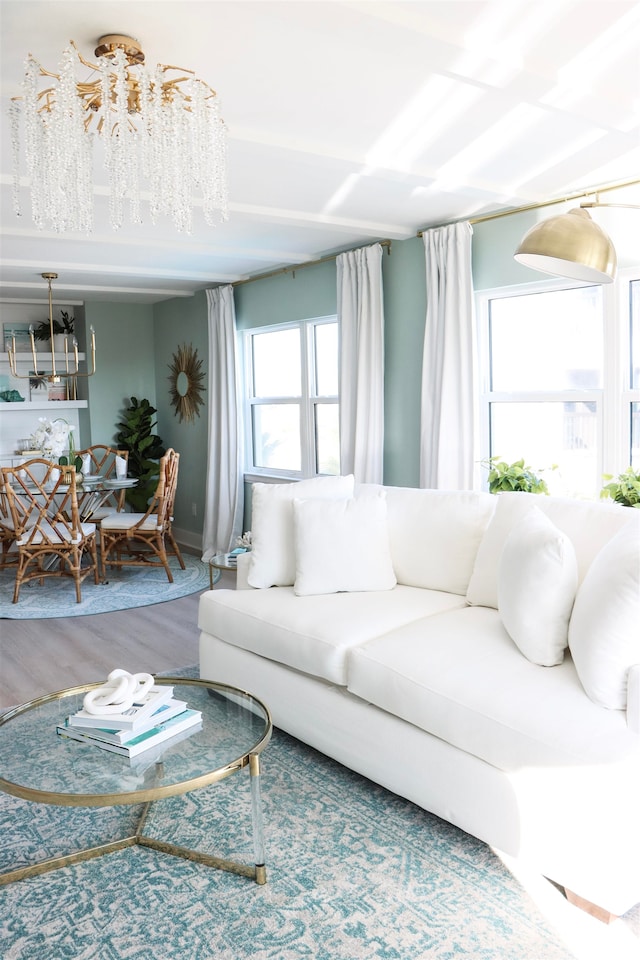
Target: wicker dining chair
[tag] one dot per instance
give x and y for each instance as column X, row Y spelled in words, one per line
column 140, row 539
column 49, row 537
column 8, row 551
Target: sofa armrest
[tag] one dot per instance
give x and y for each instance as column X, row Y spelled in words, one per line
column 633, row 698
column 242, row 571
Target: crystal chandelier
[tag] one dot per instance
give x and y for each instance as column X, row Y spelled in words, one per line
column 70, row 358
column 162, row 127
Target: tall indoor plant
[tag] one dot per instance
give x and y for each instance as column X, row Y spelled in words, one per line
column 145, row 450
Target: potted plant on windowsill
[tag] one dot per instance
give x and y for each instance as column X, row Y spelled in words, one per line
column 61, row 328
column 624, row 489
column 516, row 476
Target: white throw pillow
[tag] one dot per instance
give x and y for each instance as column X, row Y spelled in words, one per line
column 435, row 535
column 272, row 551
column 537, row 583
column 483, row 585
column 604, row 632
column 342, row 545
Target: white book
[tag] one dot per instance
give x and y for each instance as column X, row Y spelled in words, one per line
column 165, row 712
column 144, row 741
column 129, row 719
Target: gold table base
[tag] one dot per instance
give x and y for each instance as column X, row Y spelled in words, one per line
column 256, row 872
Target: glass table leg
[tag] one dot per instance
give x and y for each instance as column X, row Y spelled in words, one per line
column 256, row 817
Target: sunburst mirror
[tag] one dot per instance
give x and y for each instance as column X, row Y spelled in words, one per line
column 185, row 379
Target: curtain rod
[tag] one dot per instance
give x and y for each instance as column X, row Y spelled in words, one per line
column 537, row 206
column 306, row 263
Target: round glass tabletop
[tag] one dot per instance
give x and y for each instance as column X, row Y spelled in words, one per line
column 37, row 763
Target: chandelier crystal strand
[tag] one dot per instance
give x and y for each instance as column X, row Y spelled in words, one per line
column 14, row 119
column 57, row 150
column 160, row 129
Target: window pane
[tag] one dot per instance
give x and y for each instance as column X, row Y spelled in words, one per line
column 546, row 434
column 276, row 364
column 635, row 436
column 276, row 436
column 326, row 339
column 635, row 334
column 547, row 341
column 327, row 438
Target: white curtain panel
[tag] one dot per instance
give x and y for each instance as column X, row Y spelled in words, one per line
column 225, row 490
column 361, row 321
column 448, row 418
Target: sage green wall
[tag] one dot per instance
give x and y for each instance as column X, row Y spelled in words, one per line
column 184, row 322
column 405, row 305
column 295, row 295
column 125, row 365
column 493, row 246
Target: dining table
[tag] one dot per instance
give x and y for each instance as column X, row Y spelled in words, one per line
column 93, row 491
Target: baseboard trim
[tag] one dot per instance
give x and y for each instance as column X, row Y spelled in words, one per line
column 187, row 538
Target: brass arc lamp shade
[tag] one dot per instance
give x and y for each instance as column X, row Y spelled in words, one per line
column 570, row 245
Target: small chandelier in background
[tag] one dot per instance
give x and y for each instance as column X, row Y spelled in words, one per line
column 156, row 126
column 71, row 370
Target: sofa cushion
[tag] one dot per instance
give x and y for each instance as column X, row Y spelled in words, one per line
column 342, row 545
column 272, row 549
column 313, row 634
column 604, row 632
column 537, row 582
column 588, row 524
column 458, row 676
column 435, row 535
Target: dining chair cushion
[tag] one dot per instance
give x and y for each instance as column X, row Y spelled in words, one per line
column 124, row 521
column 57, row 531
column 102, row 513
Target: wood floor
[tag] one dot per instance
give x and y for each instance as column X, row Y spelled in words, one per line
column 40, row 656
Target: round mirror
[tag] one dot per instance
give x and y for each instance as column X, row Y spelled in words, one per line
column 182, row 383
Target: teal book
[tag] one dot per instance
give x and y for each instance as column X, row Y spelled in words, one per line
column 143, row 741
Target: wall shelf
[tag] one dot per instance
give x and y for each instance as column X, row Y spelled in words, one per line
column 18, row 407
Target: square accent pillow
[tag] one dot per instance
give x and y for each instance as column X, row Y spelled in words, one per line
column 537, row 583
column 604, row 632
column 342, row 545
column 272, row 552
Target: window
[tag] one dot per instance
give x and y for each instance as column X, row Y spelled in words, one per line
column 555, row 386
column 292, row 405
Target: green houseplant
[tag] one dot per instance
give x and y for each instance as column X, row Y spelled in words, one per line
column 624, row 489
column 145, row 450
column 514, row 476
column 62, row 326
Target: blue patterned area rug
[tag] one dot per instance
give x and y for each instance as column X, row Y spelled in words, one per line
column 353, row 872
column 125, row 588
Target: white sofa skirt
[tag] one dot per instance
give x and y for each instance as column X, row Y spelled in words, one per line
column 569, row 825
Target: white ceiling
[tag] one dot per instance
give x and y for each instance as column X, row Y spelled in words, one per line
column 348, row 122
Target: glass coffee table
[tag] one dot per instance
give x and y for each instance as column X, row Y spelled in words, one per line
column 38, row 764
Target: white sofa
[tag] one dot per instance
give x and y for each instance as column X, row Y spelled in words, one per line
column 403, row 631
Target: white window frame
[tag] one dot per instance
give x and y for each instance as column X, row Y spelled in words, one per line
column 613, row 400
column 307, row 402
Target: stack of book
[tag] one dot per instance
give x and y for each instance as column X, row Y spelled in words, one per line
column 156, row 718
